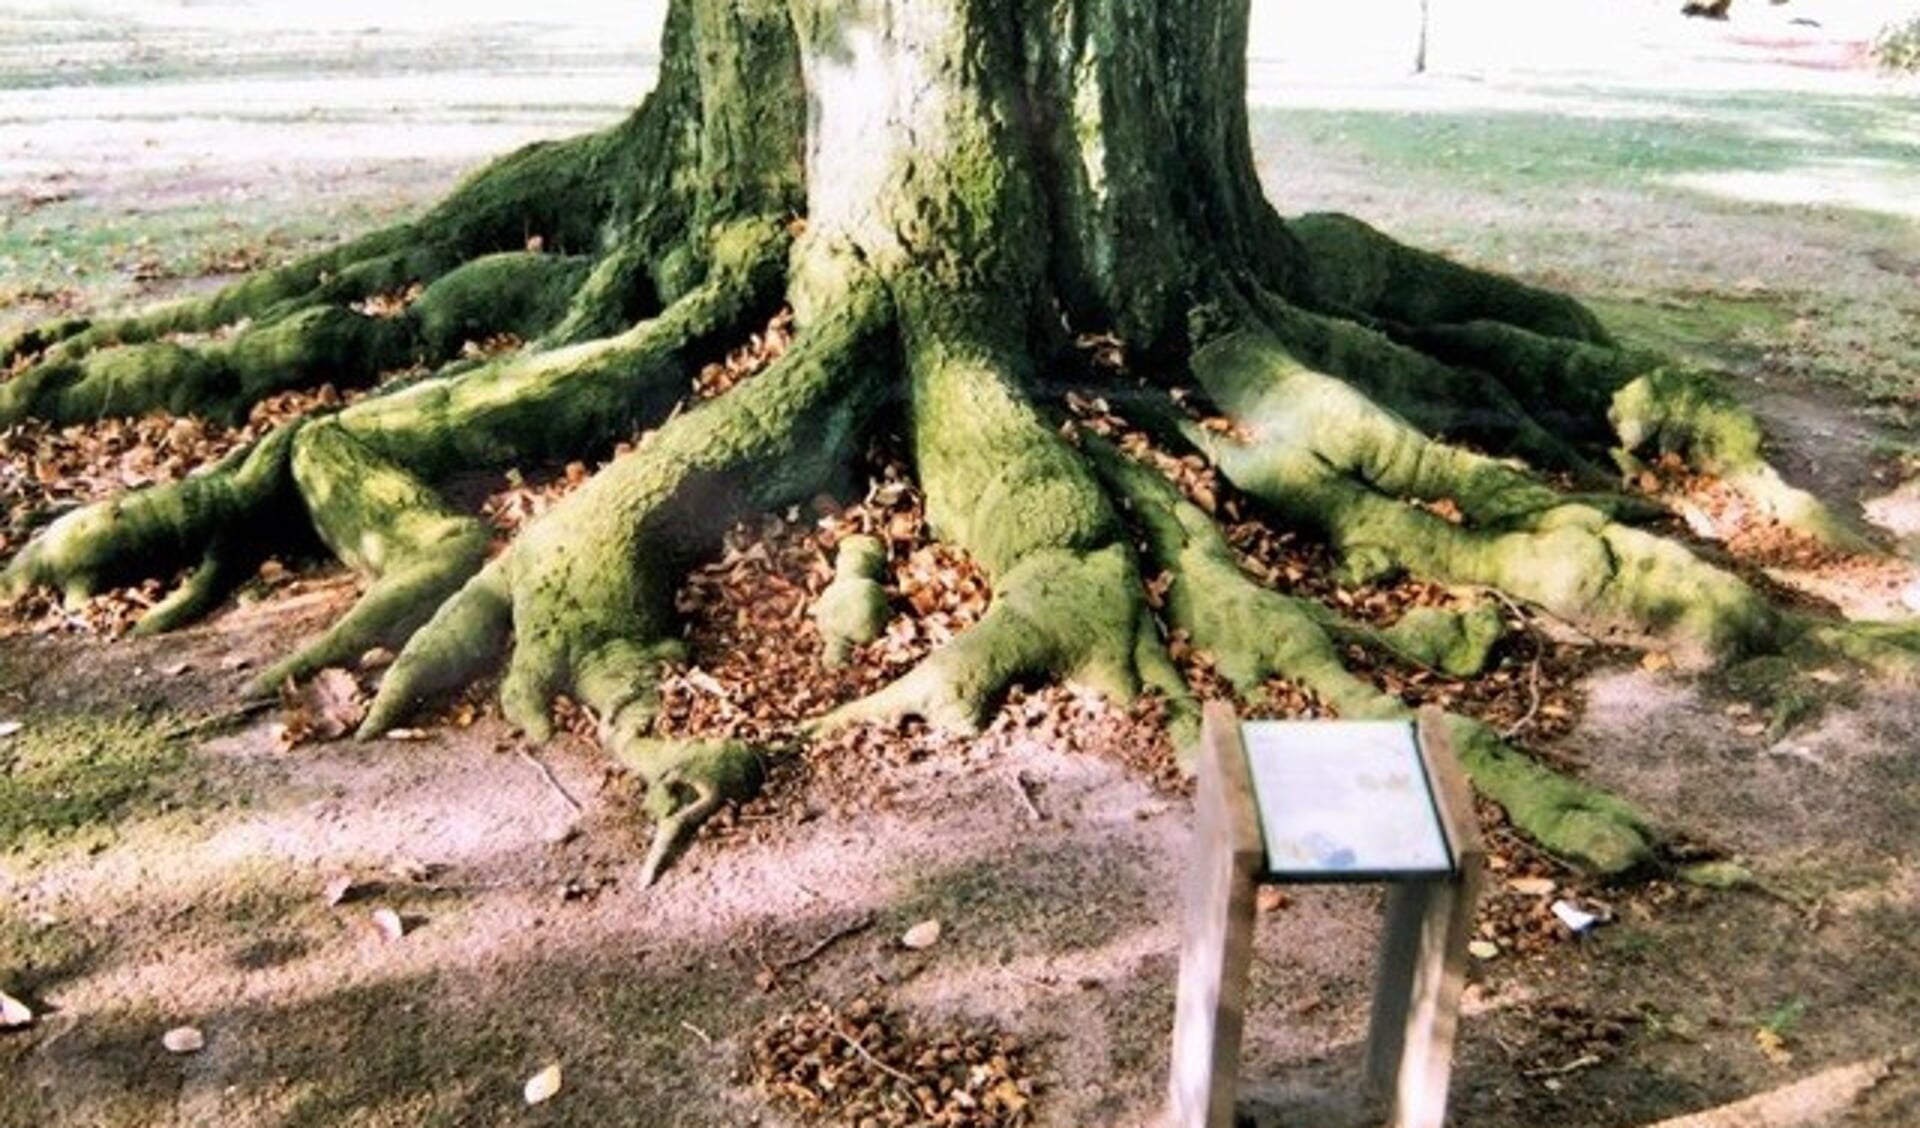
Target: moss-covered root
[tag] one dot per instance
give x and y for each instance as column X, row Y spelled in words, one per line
column 1354, row 269
column 1067, row 601
column 1458, row 643
column 565, row 402
column 518, row 294
column 852, row 611
column 1678, row 411
column 383, row 523
column 1891, row 650
column 230, row 508
column 559, row 193
column 217, row 379
column 588, row 586
column 1325, row 456
column 1435, row 397
column 1254, row 634
column 687, row 781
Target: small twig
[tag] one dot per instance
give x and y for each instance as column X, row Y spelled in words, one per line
column 1533, row 668
column 705, row 1038
column 553, row 781
column 869, row 1058
column 829, row 940
column 220, row 720
column 1584, row 1061
column 1018, row 783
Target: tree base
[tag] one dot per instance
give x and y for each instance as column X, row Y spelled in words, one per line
column 1378, row 397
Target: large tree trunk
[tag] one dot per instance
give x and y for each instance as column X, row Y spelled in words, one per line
column 949, row 193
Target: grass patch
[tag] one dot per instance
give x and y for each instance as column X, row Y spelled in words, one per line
column 1676, row 134
column 1706, row 329
column 1019, row 903
column 63, row 776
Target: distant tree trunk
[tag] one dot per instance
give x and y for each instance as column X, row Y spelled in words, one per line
column 1420, row 50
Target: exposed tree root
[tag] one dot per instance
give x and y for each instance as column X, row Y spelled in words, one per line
column 852, row 610
column 1331, row 458
column 588, row 587
column 384, row 523
column 1025, row 182
column 152, row 531
column 1067, row 600
column 1254, row 633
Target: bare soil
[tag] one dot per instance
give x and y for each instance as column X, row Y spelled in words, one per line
column 237, row 885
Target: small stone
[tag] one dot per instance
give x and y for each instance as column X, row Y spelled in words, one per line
column 14, row 1014
column 1483, row 950
column 184, row 1040
column 388, row 924
column 543, row 1085
column 921, row 936
column 1577, row 919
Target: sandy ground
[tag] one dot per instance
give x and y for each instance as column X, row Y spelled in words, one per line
column 1055, row 876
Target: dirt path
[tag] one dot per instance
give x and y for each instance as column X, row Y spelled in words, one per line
column 152, row 878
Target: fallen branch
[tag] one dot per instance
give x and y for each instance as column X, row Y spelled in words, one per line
column 871, row 1060
column 1815, row 1100
column 553, row 781
column 1018, row 783
column 829, row 940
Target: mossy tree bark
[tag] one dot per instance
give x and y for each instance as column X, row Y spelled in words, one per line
column 946, row 192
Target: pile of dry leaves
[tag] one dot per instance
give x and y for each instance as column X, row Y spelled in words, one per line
column 866, row 1066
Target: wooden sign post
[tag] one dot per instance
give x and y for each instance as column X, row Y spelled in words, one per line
column 1328, row 801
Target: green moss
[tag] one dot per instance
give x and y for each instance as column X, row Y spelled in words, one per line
column 1355, row 268
column 1254, row 634
column 1685, row 412
column 1455, row 642
column 852, row 611
column 149, row 531
column 1680, row 411
column 517, row 292
column 70, row 775
column 385, row 524
column 1572, row 820
column 218, row 380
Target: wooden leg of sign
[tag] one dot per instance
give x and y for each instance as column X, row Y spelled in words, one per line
column 1423, row 961
column 1216, row 950
column 1423, row 966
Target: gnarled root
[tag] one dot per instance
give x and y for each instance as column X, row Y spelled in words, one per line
column 218, row 517
column 385, row 523
column 587, row 588
column 1328, row 457
column 1254, row 634
column 1067, row 601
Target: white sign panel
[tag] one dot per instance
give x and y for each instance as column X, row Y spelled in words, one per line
column 1344, row 801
